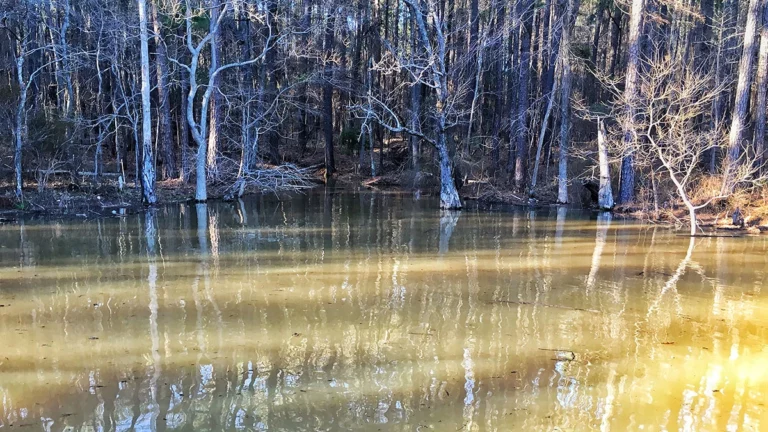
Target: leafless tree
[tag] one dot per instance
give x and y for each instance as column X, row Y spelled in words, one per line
column 428, row 69
column 669, row 102
column 198, row 123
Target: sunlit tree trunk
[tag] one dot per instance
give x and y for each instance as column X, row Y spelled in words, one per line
column 762, row 87
column 627, row 186
column 743, row 87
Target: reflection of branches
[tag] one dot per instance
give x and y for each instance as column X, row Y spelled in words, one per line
column 671, row 284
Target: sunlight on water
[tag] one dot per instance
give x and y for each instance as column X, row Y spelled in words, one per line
column 374, row 312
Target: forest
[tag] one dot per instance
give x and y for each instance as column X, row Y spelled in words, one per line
column 649, row 105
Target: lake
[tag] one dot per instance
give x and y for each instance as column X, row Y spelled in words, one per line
column 375, row 312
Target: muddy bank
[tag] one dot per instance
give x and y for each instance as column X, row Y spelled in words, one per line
column 86, row 200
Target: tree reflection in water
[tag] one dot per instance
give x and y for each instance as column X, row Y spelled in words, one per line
column 339, row 311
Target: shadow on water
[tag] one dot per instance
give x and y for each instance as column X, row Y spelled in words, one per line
column 353, row 311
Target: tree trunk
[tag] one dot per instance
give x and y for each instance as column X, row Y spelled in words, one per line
column 540, row 141
column 605, row 194
column 304, row 67
column 762, row 87
column 272, row 135
column 498, row 93
column 631, row 93
column 616, row 17
column 514, row 62
column 521, row 147
column 449, row 196
column 330, row 167
column 148, row 168
column 20, row 128
column 215, row 103
column 565, row 123
column 569, row 20
column 183, row 130
column 739, row 119
column 163, row 96
column 415, row 113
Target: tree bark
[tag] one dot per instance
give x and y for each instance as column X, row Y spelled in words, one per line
column 449, row 196
column 743, row 87
column 631, row 93
column 605, row 194
column 20, row 129
column 762, row 88
column 521, row 146
column 330, row 167
column 565, row 101
column 213, row 127
column 163, row 96
column 148, row 168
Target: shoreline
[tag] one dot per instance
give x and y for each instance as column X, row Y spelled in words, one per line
column 105, row 201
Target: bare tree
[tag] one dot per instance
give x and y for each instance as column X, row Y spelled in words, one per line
column 430, row 70
column 670, row 99
column 198, row 122
column 25, row 78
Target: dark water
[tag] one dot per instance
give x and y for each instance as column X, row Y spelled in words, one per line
column 343, row 311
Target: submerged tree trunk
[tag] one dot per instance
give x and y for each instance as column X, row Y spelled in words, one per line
column 148, row 168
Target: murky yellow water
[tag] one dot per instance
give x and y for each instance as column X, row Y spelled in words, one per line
column 374, row 312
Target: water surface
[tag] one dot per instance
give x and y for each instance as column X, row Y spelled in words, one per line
column 343, row 311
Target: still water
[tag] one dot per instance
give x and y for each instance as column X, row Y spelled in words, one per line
column 344, row 311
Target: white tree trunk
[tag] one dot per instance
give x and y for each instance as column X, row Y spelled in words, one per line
column 148, row 169
column 605, row 194
column 20, row 127
column 565, row 123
